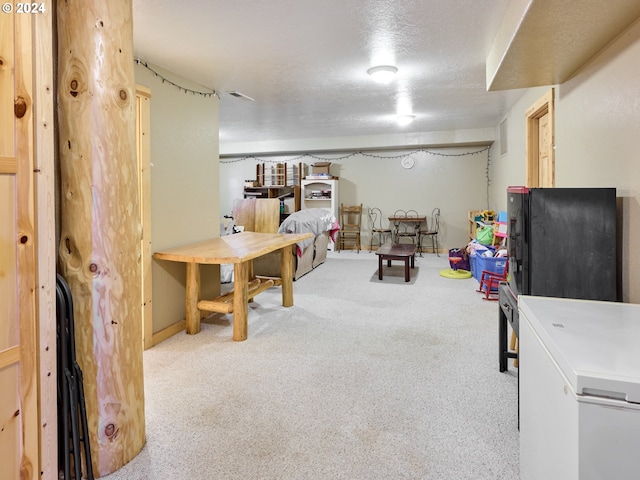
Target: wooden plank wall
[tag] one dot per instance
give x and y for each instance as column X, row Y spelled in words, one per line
column 44, row 137
column 10, row 418
column 27, row 337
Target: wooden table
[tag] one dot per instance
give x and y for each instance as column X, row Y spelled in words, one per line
column 397, row 251
column 239, row 249
column 414, row 221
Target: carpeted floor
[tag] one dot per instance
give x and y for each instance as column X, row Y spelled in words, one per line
column 360, row 379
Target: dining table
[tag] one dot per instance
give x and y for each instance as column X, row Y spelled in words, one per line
column 238, row 249
column 411, row 221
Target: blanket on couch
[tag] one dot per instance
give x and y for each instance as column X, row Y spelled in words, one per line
column 313, row 220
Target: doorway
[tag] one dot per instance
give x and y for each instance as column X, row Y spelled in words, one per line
column 540, row 142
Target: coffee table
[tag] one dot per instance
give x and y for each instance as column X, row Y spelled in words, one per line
column 397, row 251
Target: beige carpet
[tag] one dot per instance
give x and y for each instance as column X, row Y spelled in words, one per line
column 361, row 379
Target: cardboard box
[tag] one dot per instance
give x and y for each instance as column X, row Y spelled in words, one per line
column 321, row 167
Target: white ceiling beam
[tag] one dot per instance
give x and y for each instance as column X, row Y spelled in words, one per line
column 452, row 138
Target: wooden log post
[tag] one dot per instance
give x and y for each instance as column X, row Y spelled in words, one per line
column 100, row 220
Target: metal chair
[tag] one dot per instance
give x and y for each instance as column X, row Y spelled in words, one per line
column 350, row 225
column 404, row 227
column 73, row 428
column 375, row 223
column 433, row 227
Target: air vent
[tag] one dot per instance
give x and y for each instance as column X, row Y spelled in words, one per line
column 503, row 138
column 241, row 95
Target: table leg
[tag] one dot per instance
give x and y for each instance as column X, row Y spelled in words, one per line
column 413, row 261
column 286, row 274
column 406, row 269
column 379, row 267
column 240, row 300
column 192, row 294
column 502, row 340
column 250, row 276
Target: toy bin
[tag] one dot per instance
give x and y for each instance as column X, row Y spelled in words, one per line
column 492, row 264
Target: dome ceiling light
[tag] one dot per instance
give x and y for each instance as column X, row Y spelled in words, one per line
column 405, row 119
column 383, row 73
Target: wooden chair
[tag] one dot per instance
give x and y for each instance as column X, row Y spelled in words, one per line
column 350, row 226
column 489, row 282
column 433, row 227
column 377, row 230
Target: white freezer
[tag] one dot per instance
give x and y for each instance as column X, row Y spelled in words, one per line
column 579, row 370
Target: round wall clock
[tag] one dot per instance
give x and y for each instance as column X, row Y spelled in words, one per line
column 407, row 162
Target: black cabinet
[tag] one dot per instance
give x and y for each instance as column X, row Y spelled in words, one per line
column 507, row 315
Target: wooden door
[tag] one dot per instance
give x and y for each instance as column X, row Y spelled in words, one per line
column 546, row 167
column 143, row 154
column 18, row 344
column 540, row 142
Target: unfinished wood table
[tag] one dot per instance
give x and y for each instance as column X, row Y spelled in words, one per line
column 397, row 251
column 239, row 249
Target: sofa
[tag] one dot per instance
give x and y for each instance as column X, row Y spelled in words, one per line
column 263, row 215
column 309, row 253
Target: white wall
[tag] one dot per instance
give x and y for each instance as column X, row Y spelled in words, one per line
column 509, row 169
column 184, row 188
column 453, row 179
column 597, row 137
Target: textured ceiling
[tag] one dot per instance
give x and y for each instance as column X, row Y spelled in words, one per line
column 305, row 61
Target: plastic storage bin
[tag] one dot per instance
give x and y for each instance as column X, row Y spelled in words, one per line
column 492, row 264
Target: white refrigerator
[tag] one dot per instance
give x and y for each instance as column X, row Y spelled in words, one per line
column 579, row 380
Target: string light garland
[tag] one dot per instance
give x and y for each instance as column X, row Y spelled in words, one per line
column 372, row 155
column 212, row 93
column 353, row 154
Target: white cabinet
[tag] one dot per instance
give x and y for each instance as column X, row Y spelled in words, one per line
column 579, row 379
column 321, row 194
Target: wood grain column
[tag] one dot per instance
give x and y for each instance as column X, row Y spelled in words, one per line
column 100, row 220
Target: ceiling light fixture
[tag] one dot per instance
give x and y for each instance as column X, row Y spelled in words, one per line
column 382, row 73
column 405, row 119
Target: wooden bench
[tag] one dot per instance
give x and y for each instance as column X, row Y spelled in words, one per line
column 397, row 251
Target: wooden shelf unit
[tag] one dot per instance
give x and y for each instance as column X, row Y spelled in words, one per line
column 331, row 201
column 472, row 225
column 279, row 174
column 279, row 180
column 269, row 192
